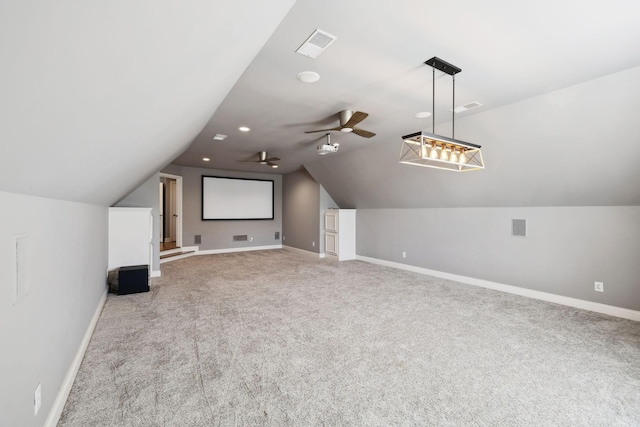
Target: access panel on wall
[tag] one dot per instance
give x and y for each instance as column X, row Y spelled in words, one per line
column 225, row 198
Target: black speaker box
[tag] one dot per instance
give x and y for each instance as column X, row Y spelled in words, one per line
column 133, row 279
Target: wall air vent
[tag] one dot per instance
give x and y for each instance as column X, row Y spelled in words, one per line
column 316, row 44
column 240, row 238
column 519, row 227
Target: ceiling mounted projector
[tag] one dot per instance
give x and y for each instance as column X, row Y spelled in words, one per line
column 328, row 147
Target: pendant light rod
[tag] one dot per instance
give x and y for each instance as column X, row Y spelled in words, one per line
column 433, row 101
column 447, row 68
column 453, row 109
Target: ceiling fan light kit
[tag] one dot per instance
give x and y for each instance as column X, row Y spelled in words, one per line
column 263, row 159
column 348, row 122
column 440, row 152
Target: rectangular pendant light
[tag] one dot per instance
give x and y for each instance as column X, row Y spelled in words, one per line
column 435, row 151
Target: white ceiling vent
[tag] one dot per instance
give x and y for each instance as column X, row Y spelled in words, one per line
column 316, row 44
column 468, row 106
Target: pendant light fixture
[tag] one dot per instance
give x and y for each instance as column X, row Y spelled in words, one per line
column 440, row 152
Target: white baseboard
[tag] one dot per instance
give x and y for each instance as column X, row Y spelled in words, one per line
column 303, row 251
column 611, row 310
column 155, row 273
column 65, row 389
column 244, row 249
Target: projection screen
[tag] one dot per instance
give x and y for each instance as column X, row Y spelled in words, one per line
column 226, row 198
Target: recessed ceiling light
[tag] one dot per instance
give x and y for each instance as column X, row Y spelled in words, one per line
column 244, row 129
column 219, row 137
column 308, row 77
column 274, row 166
column 422, row 115
column 206, row 159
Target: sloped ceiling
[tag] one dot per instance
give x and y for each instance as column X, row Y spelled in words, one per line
column 96, row 96
column 508, row 51
column 572, row 147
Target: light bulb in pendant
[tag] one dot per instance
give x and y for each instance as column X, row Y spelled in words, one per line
column 453, row 157
column 444, row 155
column 463, row 158
column 424, row 151
column 434, row 152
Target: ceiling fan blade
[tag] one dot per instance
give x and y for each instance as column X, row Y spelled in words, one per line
column 323, row 130
column 364, row 133
column 273, row 165
column 248, row 161
column 272, row 159
column 356, row 118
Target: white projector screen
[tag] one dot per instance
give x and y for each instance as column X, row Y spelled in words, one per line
column 226, row 198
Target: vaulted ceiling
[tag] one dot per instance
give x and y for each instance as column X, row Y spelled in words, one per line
column 98, row 96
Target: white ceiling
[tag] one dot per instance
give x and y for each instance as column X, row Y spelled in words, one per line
column 508, row 51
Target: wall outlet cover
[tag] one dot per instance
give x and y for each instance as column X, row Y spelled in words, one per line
column 599, row 286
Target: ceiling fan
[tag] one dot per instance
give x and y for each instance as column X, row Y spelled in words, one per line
column 263, row 159
column 348, row 122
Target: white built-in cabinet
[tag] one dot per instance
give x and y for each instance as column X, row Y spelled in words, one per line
column 130, row 237
column 340, row 233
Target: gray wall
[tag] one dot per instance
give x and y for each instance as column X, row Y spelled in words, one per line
column 548, row 151
column 219, row 234
column 567, row 248
column 147, row 196
column 42, row 332
column 301, row 211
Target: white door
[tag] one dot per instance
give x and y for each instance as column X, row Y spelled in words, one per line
column 331, row 243
column 171, row 207
column 161, row 214
column 331, row 220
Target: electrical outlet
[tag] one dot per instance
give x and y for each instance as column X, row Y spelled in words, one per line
column 37, row 399
column 404, row 254
column 599, row 286
column 251, row 239
column 313, row 244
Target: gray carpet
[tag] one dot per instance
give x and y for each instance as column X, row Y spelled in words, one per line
column 278, row 338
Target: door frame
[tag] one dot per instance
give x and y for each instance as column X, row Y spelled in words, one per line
column 178, row 205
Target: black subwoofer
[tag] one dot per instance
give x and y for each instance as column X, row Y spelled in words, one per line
column 133, row 279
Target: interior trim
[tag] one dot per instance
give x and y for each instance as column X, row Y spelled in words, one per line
column 67, row 384
column 611, row 310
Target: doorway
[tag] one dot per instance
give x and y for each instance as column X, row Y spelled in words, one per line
column 170, row 195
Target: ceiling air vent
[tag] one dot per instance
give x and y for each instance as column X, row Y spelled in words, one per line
column 468, row 106
column 316, row 44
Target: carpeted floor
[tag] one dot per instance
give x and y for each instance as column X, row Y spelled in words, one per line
column 278, row 338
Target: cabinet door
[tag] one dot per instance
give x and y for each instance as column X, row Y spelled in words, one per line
column 331, row 243
column 331, row 221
